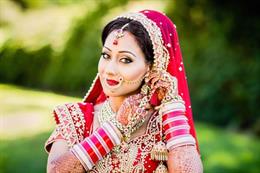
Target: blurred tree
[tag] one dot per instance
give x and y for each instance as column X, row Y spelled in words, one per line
column 31, row 4
column 220, row 42
column 219, row 39
column 71, row 70
column 75, row 68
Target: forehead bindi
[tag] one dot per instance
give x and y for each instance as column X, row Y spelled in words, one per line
column 126, row 42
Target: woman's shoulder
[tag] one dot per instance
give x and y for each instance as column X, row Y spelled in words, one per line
column 77, row 110
column 74, row 118
column 74, row 122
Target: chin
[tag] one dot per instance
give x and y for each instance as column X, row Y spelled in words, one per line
column 114, row 94
column 120, row 93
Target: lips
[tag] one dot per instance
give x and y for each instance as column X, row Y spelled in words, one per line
column 112, row 82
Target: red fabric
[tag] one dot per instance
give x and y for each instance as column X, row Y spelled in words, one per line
column 56, row 117
column 154, row 100
column 170, row 36
column 87, row 109
column 96, row 94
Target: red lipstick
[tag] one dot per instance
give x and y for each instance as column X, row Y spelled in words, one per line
column 112, row 82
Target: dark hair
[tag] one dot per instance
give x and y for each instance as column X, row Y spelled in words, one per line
column 135, row 28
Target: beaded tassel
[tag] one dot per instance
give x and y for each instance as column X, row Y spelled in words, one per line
column 159, row 152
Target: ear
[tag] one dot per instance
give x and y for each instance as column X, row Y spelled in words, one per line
column 149, row 67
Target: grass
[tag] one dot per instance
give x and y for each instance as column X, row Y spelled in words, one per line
column 26, row 122
column 25, row 112
column 227, row 151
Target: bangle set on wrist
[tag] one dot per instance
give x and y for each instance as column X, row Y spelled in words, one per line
column 96, row 146
column 175, row 125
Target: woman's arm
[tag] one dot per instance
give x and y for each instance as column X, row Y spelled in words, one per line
column 62, row 160
column 83, row 156
column 184, row 159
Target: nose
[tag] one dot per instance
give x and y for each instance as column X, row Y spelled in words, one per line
column 111, row 68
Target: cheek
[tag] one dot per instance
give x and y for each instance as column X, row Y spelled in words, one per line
column 134, row 72
column 101, row 66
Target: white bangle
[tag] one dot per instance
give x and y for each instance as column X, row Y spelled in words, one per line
column 180, row 140
column 166, row 108
column 83, row 156
column 110, row 131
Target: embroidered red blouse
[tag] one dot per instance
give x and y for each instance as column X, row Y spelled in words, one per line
column 74, row 123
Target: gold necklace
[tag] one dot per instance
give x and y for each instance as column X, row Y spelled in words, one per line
column 159, row 151
column 105, row 113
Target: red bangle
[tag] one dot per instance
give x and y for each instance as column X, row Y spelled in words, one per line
column 90, row 151
column 176, row 133
column 174, row 124
column 98, row 145
column 106, row 138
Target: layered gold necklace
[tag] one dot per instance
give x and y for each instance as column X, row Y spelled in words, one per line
column 159, row 150
column 106, row 113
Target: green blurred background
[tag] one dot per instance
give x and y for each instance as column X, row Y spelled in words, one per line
column 49, row 51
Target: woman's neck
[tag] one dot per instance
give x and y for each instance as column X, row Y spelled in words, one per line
column 116, row 102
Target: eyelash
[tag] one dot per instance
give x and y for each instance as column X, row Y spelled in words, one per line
column 103, row 55
column 126, row 60
column 123, row 60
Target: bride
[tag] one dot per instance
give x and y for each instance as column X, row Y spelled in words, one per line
column 137, row 116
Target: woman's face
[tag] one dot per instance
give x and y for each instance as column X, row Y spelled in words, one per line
column 121, row 66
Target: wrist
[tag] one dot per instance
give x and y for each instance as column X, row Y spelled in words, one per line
column 176, row 128
column 96, row 146
column 171, row 106
column 117, row 130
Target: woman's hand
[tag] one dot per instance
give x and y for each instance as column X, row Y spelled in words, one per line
column 184, row 159
column 162, row 84
column 66, row 163
column 129, row 108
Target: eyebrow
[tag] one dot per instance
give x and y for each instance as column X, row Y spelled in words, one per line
column 123, row 51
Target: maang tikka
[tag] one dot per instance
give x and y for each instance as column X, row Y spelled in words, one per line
column 119, row 33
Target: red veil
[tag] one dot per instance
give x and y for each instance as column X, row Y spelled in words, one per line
column 167, row 57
